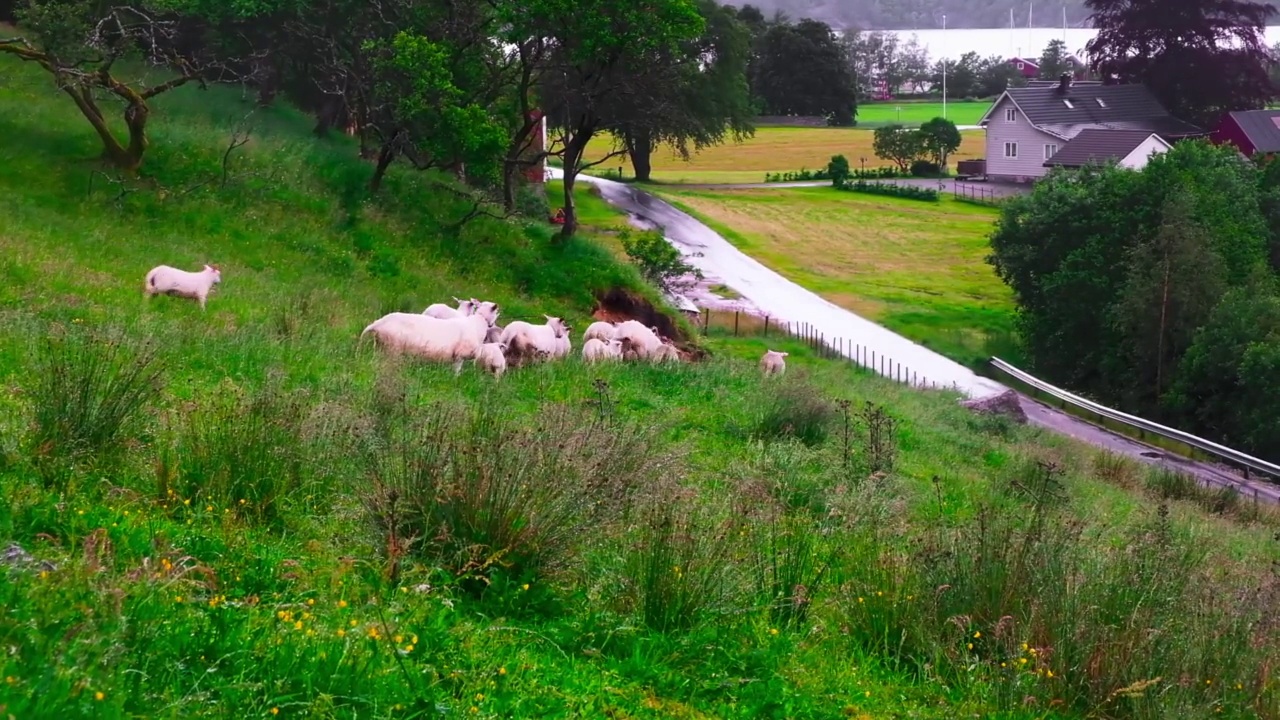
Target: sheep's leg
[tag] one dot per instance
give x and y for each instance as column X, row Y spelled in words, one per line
column 457, row 367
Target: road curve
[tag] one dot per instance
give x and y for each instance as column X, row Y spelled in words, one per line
column 786, row 301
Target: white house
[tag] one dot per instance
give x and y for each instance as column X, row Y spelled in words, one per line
column 1027, row 127
column 1127, row 148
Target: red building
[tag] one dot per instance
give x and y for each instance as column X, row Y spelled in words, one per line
column 1030, row 69
column 1250, row 131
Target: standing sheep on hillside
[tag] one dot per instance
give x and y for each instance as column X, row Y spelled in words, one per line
column 525, row 341
column 452, row 340
column 772, row 363
column 604, row 331
column 164, row 280
column 595, row 350
column 638, row 341
column 665, row 354
column 491, row 358
column 444, row 312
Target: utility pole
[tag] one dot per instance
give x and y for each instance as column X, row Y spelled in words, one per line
column 944, row 71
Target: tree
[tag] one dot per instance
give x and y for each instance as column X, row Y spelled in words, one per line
column 692, row 98
column 81, row 44
column 1055, row 60
column 898, row 144
column 940, row 138
column 838, row 170
column 1203, row 58
column 804, row 69
column 962, row 75
column 600, row 49
column 659, row 261
column 995, row 74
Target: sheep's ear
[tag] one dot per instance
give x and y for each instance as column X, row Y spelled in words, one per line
column 784, row 354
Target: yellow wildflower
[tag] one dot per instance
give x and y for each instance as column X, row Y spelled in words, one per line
column 479, row 697
column 977, row 634
column 187, row 501
column 502, row 671
column 773, row 631
column 342, row 633
column 399, row 639
column 413, row 639
column 859, row 599
column 311, row 601
column 297, row 625
column 1049, row 673
column 524, row 586
column 178, row 599
column 353, row 623
column 969, row 646
column 342, row 603
column 99, row 696
column 408, row 648
column 208, row 508
column 1022, row 661
column 275, row 711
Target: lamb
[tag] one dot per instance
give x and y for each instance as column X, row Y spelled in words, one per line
column 772, row 363
column 452, row 340
column 491, row 357
column 493, row 334
column 563, row 346
column 444, row 312
column 638, row 340
column 665, row 354
column 526, row 340
column 595, row 350
column 605, row 331
column 164, row 280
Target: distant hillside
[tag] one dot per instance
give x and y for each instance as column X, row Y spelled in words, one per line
column 924, row 14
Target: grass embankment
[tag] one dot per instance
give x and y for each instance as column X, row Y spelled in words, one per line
column 240, row 513
column 916, row 268
column 770, row 150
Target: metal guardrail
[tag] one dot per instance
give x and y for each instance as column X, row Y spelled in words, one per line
column 1234, row 457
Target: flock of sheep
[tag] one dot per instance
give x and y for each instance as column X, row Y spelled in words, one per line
column 470, row 331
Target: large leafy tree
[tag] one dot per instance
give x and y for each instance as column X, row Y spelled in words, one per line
column 1056, row 60
column 804, row 69
column 600, row 49
column 1200, row 57
column 940, row 137
column 695, row 97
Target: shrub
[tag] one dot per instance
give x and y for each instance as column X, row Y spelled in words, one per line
column 531, row 201
column 796, row 410
column 88, row 393
column 925, row 168
column 659, row 261
column 838, row 170
column 879, row 173
column 481, row 495
column 802, row 175
column 909, row 192
column 239, row 450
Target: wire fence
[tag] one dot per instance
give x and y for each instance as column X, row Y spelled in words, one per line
column 742, row 324
column 975, row 194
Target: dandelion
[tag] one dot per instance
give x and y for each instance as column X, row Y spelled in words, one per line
column 969, row 646
column 44, row 574
column 275, row 711
column 1239, row 686
column 311, row 601
column 878, row 593
column 1022, row 661
column 399, row 639
column 297, row 625
column 208, row 508
column 11, row 680
column 479, row 697
column 977, row 634
column 1048, row 673
column 475, row 709
column 859, row 600
column 373, row 633
column 342, row 633
column 868, row 693
column 342, row 603
column 413, row 639
column 1208, row 682
column 1003, row 665
column 502, row 671
column 773, row 631
column 187, row 501
column 524, row 586
column 408, row 648
column 242, row 501
column 177, row 599
column 99, row 696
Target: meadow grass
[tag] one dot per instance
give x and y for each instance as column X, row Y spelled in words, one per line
column 917, row 112
column 916, row 268
column 295, row 525
column 770, row 150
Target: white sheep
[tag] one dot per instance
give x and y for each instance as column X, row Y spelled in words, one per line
column 526, row 340
column 563, row 346
column 493, row 334
column 772, row 363
column 164, row 280
column 444, row 312
column 665, row 354
column 491, row 358
column 605, row 331
column 595, row 350
column 486, row 309
column 638, row 341
column 442, row 340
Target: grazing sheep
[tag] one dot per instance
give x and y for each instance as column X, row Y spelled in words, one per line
column 452, row 340
column 638, row 340
column 486, row 309
column 563, row 346
column 595, row 350
column 526, row 340
column 444, row 312
column 772, row 363
column 605, row 331
column 491, row 358
column 164, row 280
column 665, row 354
column 493, row 334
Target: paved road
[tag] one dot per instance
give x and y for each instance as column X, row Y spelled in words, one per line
column 1000, row 189
column 786, row 301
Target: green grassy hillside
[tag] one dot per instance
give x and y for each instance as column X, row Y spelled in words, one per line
column 244, row 513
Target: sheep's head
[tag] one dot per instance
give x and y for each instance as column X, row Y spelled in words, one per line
column 558, row 326
column 775, row 354
column 488, row 310
column 614, row 347
column 492, row 334
column 215, row 272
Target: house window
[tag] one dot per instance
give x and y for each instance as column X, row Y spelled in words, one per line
column 1011, row 149
column 1050, row 150
column 1010, row 115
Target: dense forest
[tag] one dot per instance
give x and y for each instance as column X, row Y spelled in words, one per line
column 925, row 14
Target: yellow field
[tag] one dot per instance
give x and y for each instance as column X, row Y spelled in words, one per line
column 772, row 150
column 917, row 268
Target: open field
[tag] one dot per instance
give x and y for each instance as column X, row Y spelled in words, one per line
column 913, row 113
column 246, row 513
column 771, row 150
column 916, row 268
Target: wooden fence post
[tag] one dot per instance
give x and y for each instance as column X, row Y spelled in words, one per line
column 735, row 323
column 766, row 326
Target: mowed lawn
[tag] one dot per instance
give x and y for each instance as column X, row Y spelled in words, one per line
column 916, row 268
column 771, row 150
column 913, row 113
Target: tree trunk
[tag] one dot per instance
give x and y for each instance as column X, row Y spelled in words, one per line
column 127, row 159
column 385, row 156
column 640, row 149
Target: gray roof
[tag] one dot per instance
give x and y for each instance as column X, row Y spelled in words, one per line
column 1109, row 107
column 1097, row 147
column 1260, row 127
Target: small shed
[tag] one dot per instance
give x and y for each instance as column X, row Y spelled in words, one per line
column 1250, row 131
column 1028, row 68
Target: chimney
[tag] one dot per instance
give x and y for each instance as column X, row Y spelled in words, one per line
column 1064, row 83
